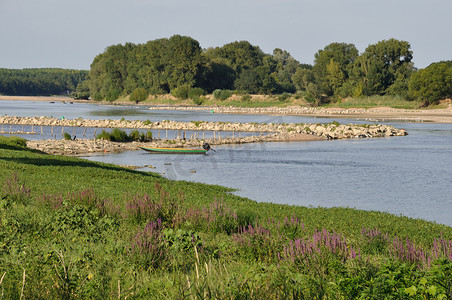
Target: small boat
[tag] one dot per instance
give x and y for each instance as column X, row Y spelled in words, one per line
column 174, row 150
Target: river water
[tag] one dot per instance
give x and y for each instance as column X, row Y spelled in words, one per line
column 410, row 175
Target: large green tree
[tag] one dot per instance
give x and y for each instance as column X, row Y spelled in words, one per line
column 332, row 66
column 239, row 56
column 286, row 66
column 109, row 72
column 385, row 67
column 432, row 83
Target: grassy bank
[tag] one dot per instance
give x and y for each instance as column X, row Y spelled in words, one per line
column 71, row 228
column 251, row 101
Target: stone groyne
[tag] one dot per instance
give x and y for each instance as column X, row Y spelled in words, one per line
column 265, row 132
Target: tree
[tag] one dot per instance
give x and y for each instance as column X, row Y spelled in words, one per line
column 384, row 64
column 302, row 78
column 239, row 56
column 256, row 81
column 340, row 58
column 285, row 69
column 138, row 95
column 432, row 83
column 184, row 60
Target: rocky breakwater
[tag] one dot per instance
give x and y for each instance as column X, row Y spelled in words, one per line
column 332, row 130
column 265, row 132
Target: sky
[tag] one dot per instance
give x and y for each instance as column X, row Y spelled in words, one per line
column 69, row 34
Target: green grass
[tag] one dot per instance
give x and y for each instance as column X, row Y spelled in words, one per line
column 273, row 101
column 377, row 101
column 74, row 228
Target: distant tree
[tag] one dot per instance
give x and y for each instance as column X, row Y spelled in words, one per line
column 383, row 65
column 239, row 56
column 256, row 81
column 432, row 83
column 184, row 60
column 109, row 72
column 217, row 75
column 138, row 95
column 332, row 66
column 40, row 81
column 302, row 77
column 285, row 69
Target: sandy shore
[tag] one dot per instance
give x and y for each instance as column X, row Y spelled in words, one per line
column 380, row 114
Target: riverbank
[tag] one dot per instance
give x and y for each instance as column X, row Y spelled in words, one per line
column 378, row 114
column 139, row 235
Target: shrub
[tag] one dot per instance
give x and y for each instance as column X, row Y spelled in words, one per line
column 112, row 95
column 222, row 94
column 284, row 96
column 196, row 93
column 67, row 136
column 149, row 135
column 134, row 135
column 118, row 135
column 104, row 135
column 138, row 95
column 246, row 98
column 198, row 100
column 181, row 92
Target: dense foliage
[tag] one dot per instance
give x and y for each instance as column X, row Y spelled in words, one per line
column 178, row 64
column 40, row 82
column 180, row 67
column 71, row 228
column 433, row 83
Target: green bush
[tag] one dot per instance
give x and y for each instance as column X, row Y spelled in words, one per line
column 222, row 94
column 138, row 95
column 181, row 92
column 197, row 100
column 104, row 135
column 112, row 95
column 284, row 96
column 196, row 93
column 246, row 98
column 134, row 135
column 67, row 136
column 149, row 135
column 118, row 135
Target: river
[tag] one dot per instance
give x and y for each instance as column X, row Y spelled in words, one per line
column 410, row 175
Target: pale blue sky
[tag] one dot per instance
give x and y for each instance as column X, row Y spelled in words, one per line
column 69, row 34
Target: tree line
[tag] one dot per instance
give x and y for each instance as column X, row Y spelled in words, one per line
column 40, row 81
column 178, row 65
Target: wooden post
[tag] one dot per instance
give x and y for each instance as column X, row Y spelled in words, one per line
column 73, row 133
column 219, row 135
column 166, row 133
column 32, row 130
column 214, row 135
column 159, row 134
column 41, row 130
column 23, row 129
column 203, row 134
column 184, row 135
column 62, row 131
column 84, row 131
column 94, row 134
